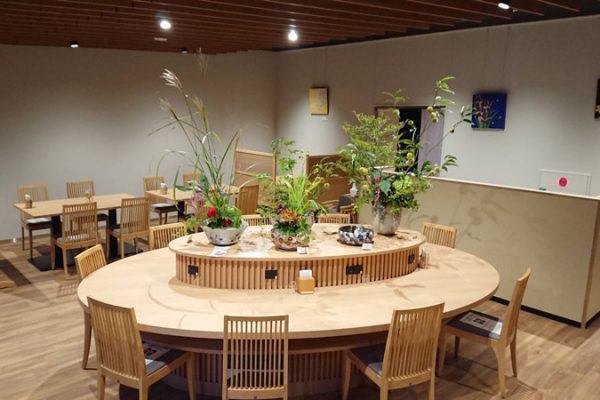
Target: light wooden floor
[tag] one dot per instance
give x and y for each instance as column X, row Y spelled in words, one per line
column 41, row 334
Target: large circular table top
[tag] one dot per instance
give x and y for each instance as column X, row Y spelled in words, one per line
column 165, row 306
column 323, row 246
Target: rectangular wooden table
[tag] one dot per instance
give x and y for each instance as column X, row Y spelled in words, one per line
column 53, row 209
column 180, row 196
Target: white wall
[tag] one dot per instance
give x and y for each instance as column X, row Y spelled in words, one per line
column 549, row 71
column 68, row 114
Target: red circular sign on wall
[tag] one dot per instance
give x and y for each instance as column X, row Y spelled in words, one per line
column 563, row 181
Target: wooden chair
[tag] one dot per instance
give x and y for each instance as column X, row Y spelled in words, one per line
column 440, row 234
column 332, row 205
column 189, row 176
column 161, row 235
column 37, row 193
column 134, row 222
column 247, row 199
column 406, row 359
column 158, row 205
column 502, row 335
column 78, row 189
column 87, row 262
column 79, row 230
column 334, row 218
column 255, row 357
column 256, row 220
column 123, row 357
column 349, row 209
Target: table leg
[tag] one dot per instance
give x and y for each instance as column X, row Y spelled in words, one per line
column 181, row 211
column 113, row 243
column 55, row 232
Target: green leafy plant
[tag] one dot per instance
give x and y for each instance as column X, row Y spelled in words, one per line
column 382, row 153
column 211, row 204
column 291, row 198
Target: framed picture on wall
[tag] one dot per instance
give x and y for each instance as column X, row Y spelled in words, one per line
column 489, row 111
column 319, row 100
column 597, row 109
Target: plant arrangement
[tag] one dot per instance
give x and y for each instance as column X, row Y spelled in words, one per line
column 291, row 198
column 382, row 153
column 211, row 206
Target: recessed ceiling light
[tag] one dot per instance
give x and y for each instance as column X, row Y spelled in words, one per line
column 184, row 50
column 73, row 44
column 165, row 24
column 505, row 4
column 292, row 35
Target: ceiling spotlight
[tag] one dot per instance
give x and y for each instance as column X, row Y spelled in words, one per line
column 292, row 35
column 165, row 24
column 184, row 50
column 73, row 44
column 505, row 4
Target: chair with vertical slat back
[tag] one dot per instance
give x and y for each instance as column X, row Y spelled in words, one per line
column 247, row 199
column 256, row 220
column 188, row 177
column 37, row 193
column 87, row 262
column 350, row 210
column 331, row 205
column 161, row 235
column 158, row 205
column 134, row 222
column 79, row 230
column 440, row 234
column 406, row 359
column 78, row 189
column 502, row 335
column 334, row 218
column 255, row 357
column 123, row 357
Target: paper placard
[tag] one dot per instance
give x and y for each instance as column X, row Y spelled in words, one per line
column 367, row 246
column 302, row 250
column 219, row 251
column 481, row 322
column 305, row 273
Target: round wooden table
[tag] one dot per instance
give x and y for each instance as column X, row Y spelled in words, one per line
column 321, row 325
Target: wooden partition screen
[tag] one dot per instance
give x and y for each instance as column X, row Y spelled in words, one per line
column 248, row 163
column 338, row 185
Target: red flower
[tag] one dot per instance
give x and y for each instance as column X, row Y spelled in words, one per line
column 228, row 223
column 211, row 212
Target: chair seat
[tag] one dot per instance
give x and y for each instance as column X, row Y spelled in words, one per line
column 371, row 356
column 481, row 324
column 158, row 357
column 37, row 221
column 164, row 206
column 75, row 238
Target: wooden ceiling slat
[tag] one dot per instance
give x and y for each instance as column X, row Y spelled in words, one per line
column 220, row 26
column 434, row 10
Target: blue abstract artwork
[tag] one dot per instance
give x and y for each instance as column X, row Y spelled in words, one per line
column 489, row 111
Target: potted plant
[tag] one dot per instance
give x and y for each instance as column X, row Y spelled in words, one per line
column 212, row 205
column 291, row 198
column 382, row 153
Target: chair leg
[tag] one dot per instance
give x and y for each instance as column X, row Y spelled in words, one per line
column 441, row 351
column 346, row 374
column 432, row 387
column 23, row 238
column 191, row 377
column 513, row 355
column 135, row 249
column 456, row 346
column 101, row 385
column 143, row 392
column 122, row 246
column 87, row 338
column 501, row 368
column 383, row 393
column 52, row 254
column 65, row 253
column 30, row 244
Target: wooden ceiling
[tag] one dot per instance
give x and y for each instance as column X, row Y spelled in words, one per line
column 220, row 26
